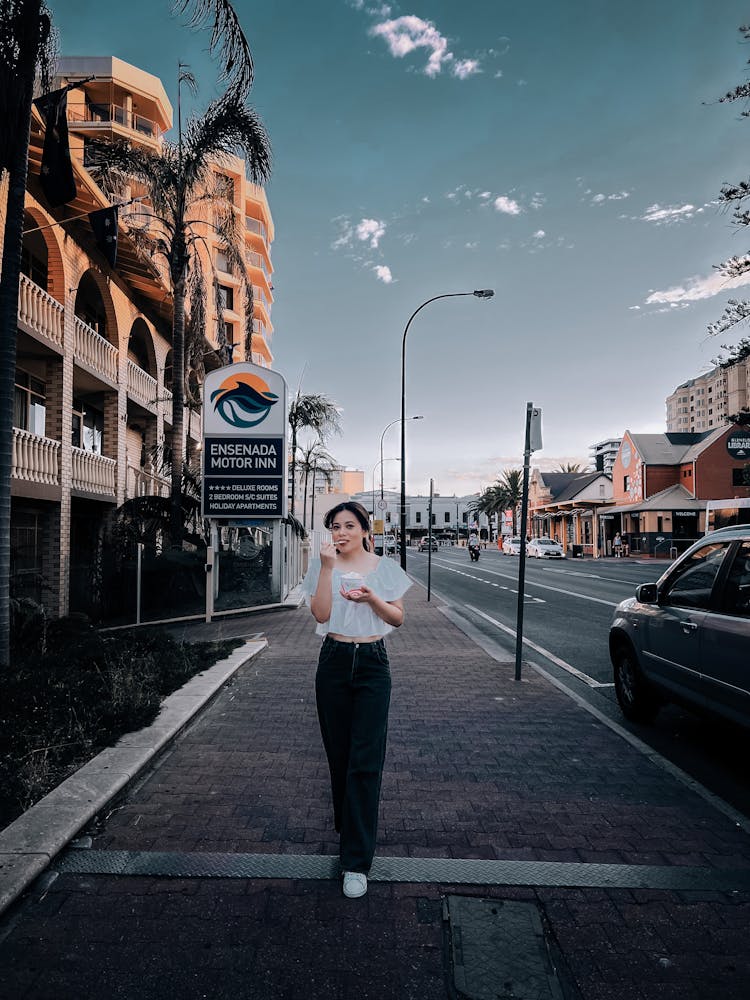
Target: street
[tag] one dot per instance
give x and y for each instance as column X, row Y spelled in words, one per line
column 568, row 608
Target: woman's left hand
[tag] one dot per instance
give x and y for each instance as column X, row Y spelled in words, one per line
column 362, row 595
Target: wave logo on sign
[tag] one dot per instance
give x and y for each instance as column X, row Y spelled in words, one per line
column 243, row 400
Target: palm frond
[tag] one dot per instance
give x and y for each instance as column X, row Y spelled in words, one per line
column 227, row 38
column 228, row 127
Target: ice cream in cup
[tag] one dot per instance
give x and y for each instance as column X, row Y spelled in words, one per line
column 352, row 581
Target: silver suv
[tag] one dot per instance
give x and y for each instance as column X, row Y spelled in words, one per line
column 686, row 638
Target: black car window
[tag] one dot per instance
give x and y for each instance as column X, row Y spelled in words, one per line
column 693, row 581
column 736, row 597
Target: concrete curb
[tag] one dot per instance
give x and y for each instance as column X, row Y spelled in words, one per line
column 28, row 845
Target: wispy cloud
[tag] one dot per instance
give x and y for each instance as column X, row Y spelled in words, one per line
column 666, row 214
column 696, row 288
column 601, row 198
column 508, row 206
column 407, row 34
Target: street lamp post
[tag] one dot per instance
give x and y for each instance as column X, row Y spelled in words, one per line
column 480, row 293
column 396, row 421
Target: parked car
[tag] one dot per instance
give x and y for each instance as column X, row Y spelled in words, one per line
column 686, row 638
column 424, row 544
column 545, row 548
column 512, row 546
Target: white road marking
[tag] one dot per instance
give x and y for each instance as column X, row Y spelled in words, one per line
column 544, row 586
column 591, row 681
column 489, row 583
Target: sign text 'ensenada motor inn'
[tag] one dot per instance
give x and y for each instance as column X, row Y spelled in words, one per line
column 244, row 443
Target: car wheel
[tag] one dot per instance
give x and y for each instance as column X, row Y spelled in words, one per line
column 636, row 699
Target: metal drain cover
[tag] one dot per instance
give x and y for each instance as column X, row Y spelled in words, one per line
column 499, row 951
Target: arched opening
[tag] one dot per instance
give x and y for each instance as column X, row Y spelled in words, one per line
column 90, row 305
column 34, row 255
column 141, row 347
column 168, row 371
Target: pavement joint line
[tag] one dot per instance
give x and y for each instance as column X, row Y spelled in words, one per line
column 385, row 868
column 484, row 642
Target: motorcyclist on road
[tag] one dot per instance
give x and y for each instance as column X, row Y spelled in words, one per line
column 474, row 546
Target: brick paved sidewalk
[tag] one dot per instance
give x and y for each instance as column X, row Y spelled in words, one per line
column 478, row 767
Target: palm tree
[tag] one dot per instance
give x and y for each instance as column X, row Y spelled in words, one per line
column 570, row 467
column 315, row 413
column 314, row 461
column 180, row 181
column 27, row 50
column 505, row 494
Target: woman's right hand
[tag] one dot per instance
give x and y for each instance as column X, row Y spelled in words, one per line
column 328, row 555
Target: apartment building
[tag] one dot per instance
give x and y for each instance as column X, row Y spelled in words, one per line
column 603, row 454
column 707, row 401
column 93, row 382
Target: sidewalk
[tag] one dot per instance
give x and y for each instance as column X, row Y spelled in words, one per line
column 636, row 887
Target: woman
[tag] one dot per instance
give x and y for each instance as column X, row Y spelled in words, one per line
column 355, row 597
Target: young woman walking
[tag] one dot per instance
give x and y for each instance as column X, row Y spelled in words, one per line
column 355, row 597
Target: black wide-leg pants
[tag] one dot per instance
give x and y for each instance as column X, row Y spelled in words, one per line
column 353, row 693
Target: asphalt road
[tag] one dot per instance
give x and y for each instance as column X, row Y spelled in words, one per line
column 568, row 607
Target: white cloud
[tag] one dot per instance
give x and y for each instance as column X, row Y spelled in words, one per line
column 346, row 232
column 539, row 234
column 696, row 288
column 463, row 68
column 370, row 231
column 669, row 213
column 600, row 198
column 406, row 34
column 507, row 206
column 383, row 273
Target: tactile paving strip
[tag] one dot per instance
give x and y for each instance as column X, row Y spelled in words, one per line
column 448, row 871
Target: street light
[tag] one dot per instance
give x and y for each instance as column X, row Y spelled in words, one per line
column 481, row 293
column 396, row 421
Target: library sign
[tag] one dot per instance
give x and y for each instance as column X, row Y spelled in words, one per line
column 738, row 444
column 244, row 443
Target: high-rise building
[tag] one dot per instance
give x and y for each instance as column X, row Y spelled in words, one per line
column 708, row 401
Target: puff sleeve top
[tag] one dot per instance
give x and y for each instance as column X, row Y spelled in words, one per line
column 387, row 580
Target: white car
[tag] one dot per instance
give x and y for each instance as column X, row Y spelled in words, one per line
column 545, row 548
column 512, row 546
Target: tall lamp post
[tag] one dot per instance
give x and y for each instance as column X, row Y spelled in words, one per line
column 396, row 421
column 480, row 293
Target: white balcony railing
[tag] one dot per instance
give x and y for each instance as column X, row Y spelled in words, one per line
column 35, row 459
column 141, row 385
column 93, row 473
column 145, row 484
column 38, row 311
column 93, row 350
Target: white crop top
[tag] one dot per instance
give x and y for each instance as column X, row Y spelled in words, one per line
column 387, row 580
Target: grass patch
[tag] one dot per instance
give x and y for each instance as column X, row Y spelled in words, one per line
column 75, row 691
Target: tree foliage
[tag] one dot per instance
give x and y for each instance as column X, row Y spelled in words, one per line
column 311, row 412
column 733, row 197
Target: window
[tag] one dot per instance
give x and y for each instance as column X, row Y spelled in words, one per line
column 447, row 517
column 418, row 517
column 433, row 520
column 88, row 427
column 30, row 403
column 222, row 263
column 694, row 580
column 736, row 597
column 625, row 483
column 226, row 297
column 738, row 476
column 387, row 517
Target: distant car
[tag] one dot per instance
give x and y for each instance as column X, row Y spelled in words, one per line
column 424, row 544
column 390, row 545
column 545, row 548
column 686, row 638
column 512, row 546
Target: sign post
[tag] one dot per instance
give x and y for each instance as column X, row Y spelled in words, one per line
column 533, row 442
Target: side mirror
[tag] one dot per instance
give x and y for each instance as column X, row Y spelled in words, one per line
column 647, row 593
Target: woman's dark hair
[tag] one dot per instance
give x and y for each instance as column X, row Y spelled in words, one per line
column 359, row 512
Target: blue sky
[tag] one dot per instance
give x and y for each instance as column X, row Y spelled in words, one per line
column 568, row 155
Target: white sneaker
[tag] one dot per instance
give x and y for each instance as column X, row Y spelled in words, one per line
column 355, row 884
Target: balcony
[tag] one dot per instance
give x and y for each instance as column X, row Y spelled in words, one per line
column 40, row 314
column 255, row 259
column 145, row 484
column 93, row 473
column 257, row 227
column 35, row 459
column 142, row 386
column 94, row 116
column 92, row 350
